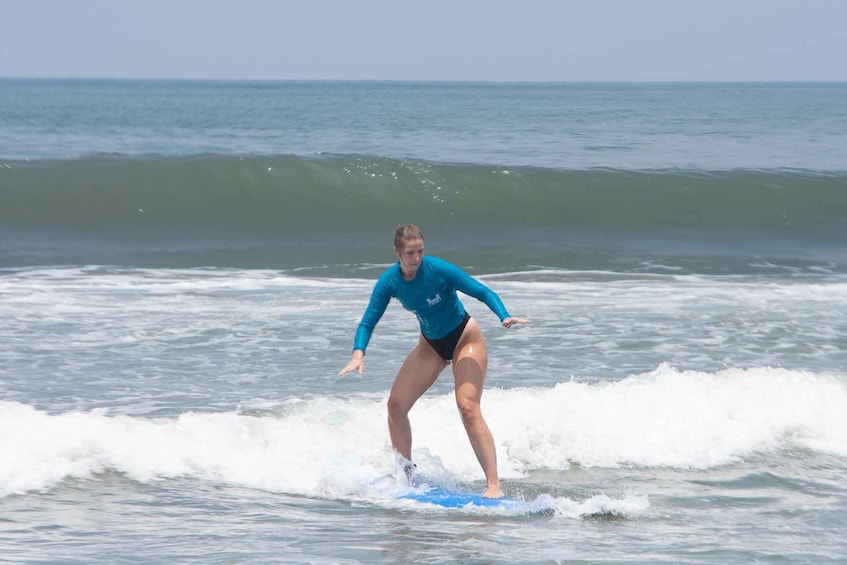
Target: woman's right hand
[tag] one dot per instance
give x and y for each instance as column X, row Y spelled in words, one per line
column 357, row 363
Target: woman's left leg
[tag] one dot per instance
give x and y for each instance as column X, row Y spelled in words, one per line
column 470, row 361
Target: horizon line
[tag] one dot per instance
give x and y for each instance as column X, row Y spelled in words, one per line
column 454, row 81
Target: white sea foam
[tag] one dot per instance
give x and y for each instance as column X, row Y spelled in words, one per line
column 338, row 448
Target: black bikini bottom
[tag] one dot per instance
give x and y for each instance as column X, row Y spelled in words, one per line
column 446, row 345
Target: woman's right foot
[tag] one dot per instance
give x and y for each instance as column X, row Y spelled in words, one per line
column 409, row 470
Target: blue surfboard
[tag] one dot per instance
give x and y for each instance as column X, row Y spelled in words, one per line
column 458, row 499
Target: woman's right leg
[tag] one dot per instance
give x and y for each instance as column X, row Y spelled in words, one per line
column 417, row 373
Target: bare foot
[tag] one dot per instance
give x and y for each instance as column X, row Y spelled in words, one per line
column 493, row 492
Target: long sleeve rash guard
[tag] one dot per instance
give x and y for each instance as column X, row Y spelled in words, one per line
column 431, row 296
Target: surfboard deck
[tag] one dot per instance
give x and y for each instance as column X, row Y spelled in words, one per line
column 458, row 499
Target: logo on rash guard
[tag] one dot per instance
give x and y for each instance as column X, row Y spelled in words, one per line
column 434, row 300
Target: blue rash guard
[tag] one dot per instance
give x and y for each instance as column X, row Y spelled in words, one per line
column 431, row 296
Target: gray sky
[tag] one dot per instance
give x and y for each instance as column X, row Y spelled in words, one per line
column 493, row 40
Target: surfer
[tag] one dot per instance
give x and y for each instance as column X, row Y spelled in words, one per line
column 427, row 287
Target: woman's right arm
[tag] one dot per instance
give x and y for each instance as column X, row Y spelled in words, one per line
column 376, row 308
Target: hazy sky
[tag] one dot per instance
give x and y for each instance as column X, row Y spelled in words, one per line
column 494, row 40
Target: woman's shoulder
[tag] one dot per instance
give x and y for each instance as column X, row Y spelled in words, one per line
column 438, row 262
column 390, row 275
column 443, row 265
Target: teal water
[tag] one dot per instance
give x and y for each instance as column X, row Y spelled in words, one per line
column 571, row 126
column 707, row 177
column 321, row 213
column 183, row 264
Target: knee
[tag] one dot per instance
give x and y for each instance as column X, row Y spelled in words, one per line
column 468, row 408
column 396, row 409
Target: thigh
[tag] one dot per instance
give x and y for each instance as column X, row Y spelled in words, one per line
column 470, row 363
column 417, row 373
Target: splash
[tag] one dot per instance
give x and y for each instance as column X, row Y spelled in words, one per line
column 338, row 448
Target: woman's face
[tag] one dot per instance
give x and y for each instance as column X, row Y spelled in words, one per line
column 410, row 256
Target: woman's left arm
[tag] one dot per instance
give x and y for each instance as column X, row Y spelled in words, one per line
column 468, row 285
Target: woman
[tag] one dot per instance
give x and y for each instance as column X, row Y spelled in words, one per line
column 427, row 287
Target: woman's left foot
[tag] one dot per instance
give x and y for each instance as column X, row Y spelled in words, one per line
column 496, row 492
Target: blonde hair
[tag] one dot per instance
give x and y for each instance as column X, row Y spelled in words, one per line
column 405, row 233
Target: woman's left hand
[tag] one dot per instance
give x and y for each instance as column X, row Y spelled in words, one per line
column 509, row 322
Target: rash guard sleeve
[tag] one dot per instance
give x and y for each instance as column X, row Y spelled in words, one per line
column 466, row 284
column 380, row 297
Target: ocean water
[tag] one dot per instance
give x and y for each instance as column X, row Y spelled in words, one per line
column 183, row 265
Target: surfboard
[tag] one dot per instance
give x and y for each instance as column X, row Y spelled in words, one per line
column 458, row 499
